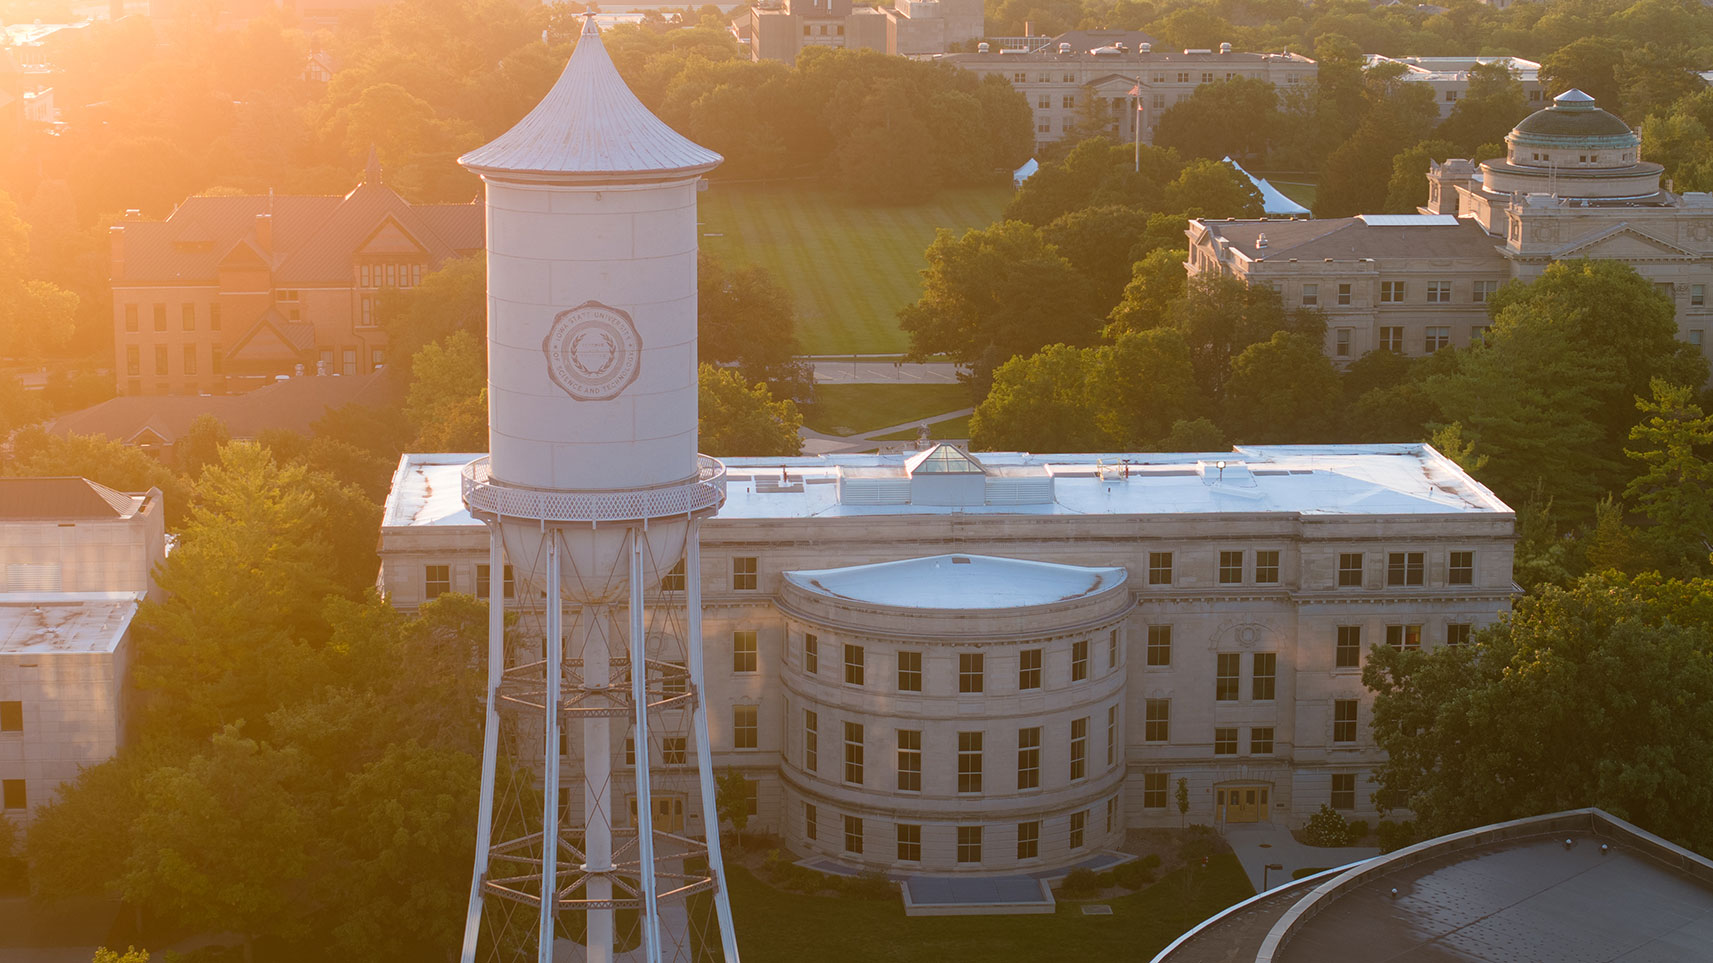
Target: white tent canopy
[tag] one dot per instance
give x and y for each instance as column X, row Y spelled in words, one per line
column 1273, row 203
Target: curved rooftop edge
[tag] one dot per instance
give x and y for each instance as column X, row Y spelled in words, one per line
column 959, row 582
column 1218, row 930
column 591, row 128
column 1578, row 878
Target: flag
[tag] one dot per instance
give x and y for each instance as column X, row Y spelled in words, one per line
column 1136, row 91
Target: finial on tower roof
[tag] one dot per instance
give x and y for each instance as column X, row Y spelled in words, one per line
column 372, row 169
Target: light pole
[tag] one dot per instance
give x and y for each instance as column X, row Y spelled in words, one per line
column 1264, row 871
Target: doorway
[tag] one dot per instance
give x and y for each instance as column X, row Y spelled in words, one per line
column 1242, row 804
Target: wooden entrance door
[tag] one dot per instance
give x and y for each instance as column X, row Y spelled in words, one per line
column 1242, row 804
column 668, row 812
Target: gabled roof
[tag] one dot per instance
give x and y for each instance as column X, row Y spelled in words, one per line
column 63, row 499
column 1654, row 247
column 943, row 460
column 1351, row 238
column 591, row 127
column 327, row 252
column 293, row 405
column 274, row 337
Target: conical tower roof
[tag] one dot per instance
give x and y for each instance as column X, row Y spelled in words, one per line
column 591, row 128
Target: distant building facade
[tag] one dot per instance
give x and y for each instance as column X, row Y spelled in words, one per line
column 999, row 662
column 775, row 30
column 1572, row 185
column 77, row 558
column 1062, row 83
column 1448, row 77
column 230, row 292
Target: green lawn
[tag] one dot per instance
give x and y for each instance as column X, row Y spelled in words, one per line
column 849, row 266
column 958, row 427
column 854, row 409
column 780, row 927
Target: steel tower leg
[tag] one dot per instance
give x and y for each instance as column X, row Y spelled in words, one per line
column 699, row 732
column 490, row 742
column 644, row 791
column 550, row 753
column 593, row 629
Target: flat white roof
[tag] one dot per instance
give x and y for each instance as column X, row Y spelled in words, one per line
column 959, row 582
column 1408, row 220
column 1409, row 479
column 59, row 623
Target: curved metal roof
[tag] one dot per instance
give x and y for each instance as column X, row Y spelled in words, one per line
column 590, row 127
column 959, row 582
column 1572, row 117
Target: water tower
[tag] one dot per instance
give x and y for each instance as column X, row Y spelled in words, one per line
column 593, row 494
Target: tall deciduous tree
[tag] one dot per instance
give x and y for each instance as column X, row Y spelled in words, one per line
column 1233, row 118
column 1209, row 188
column 1096, row 173
column 448, row 400
column 1596, row 695
column 1220, row 316
column 1156, row 281
column 1282, row 391
column 741, row 418
column 35, row 316
column 1674, row 444
column 745, row 317
column 1038, row 402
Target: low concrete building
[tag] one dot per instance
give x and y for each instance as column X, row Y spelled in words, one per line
column 1065, row 85
column 78, row 558
column 1572, row 185
column 999, row 662
column 775, row 30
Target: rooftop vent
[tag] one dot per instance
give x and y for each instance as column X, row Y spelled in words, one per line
column 1225, row 48
column 1064, row 48
column 960, row 560
column 1146, row 48
column 1261, row 240
column 981, row 47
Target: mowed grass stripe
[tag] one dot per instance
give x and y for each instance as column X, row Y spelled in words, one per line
column 849, row 266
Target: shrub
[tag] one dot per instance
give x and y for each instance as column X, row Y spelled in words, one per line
column 1358, row 828
column 1197, row 848
column 1136, row 874
column 869, row 885
column 1151, row 861
column 775, row 862
column 1106, row 880
column 1080, row 882
column 1328, row 828
column 1395, row 836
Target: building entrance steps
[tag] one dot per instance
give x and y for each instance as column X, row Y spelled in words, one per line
column 1259, row 844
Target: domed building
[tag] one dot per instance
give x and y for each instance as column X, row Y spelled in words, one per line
column 1572, row 184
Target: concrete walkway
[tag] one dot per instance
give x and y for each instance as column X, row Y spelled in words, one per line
column 1258, row 844
column 816, row 443
column 853, row 370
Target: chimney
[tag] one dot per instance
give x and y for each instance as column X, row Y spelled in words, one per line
column 1261, row 241
column 1225, row 48
column 116, row 252
column 265, row 233
column 321, row 369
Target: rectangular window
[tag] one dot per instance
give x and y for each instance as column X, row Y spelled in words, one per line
column 1230, row 568
column 853, row 834
column 1029, row 758
column 1225, row 742
column 853, row 753
column 160, row 359
column 1267, row 567
column 1043, row 102
column 743, row 574
column 1159, row 645
column 1111, row 735
column 1157, row 720
column 1079, row 660
column 1344, row 295
column 1311, row 295
column 970, row 676
column 1461, row 570
column 1439, row 292
column 1347, row 652
column 436, row 581
column 854, row 664
column 1484, row 290
column 910, row 760
column 1350, row 570
column 1404, row 568
column 1112, row 649
column 1159, row 568
column 743, row 652
column 1392, row 339
column 909, row 843
column 1079, row 823
column 12, row 794
column 1458, row 633
column 969, row 844
column 483, row 576
column 811, row 741
column 187, row 316
column 1029, row 669
column 673, row 580
column 1344, row 790
column 675, row 751
column 11, row 716
column 1079, row 748
column 1698, row 295
column 1067, row 101
column 811, row 822
column 1265, row 666
column 1404, row 636
column 969, row 762
column 1226, row 675
column 160, row 317
column 131, row 318
column 1436, row 337
column 1392, row 292
column 811, row 653
column 745, row 731
column 1344, row 720
column 1261, row 741
column 909, row 672
column 1341, row 343
column 1018, row 78
column 1029, row 840
column 1154, row 788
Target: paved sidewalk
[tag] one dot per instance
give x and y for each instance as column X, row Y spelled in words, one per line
column 1258, row 844
column 815, row 443
column 860, row 372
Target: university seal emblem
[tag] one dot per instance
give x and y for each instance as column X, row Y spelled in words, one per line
column 593, row 351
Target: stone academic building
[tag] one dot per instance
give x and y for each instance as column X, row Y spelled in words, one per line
column 999, row 662
column 1572, row 185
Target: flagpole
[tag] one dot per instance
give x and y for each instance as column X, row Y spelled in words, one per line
column 1136, row 122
